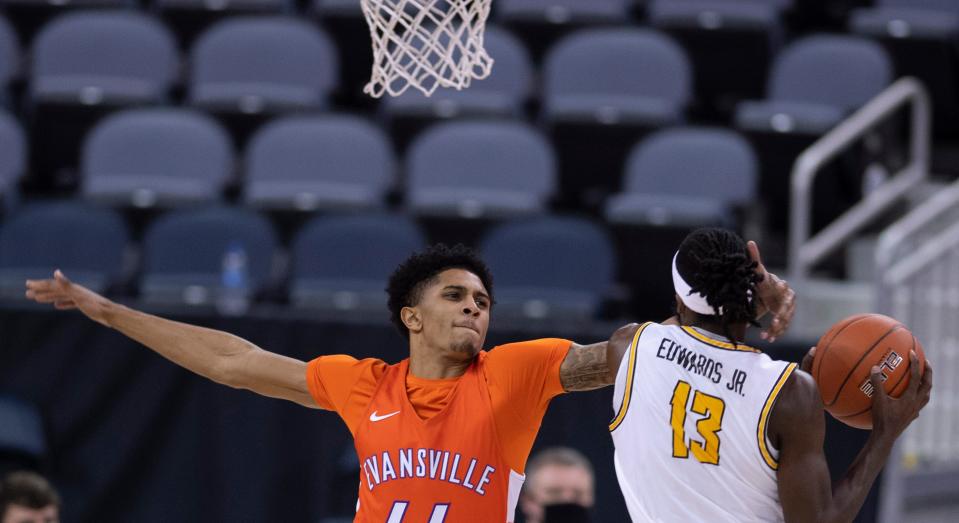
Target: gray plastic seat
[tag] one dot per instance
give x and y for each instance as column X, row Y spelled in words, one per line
column 617, row 76
column 480, row 169
column 319, row 162
column 537, row 279
column 262, row 64
column 183, row 254
column 686, row 177
column 908, row 19
column 13, row 153
column 815, row 82
column 22, row 432
column 341, row 263
column 156, row 157
column 502, row 93
column 87, row 243
column 564, row 11
column 95, row 57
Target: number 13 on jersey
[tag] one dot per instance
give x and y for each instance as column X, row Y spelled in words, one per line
column 711, row 409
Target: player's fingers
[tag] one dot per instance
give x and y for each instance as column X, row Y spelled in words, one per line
column 878, row 391
column 926, row 386
column 806, row 364
column 914, row 378
column 39, row 284
column 753, row 249
column 61, row 278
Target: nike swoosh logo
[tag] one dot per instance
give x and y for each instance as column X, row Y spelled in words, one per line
column 374, row 417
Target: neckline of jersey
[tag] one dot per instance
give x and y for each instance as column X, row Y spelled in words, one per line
column 710, row 338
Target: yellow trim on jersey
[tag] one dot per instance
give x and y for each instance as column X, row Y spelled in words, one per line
column 630, row 371
column 764, row 417
column 716, row 343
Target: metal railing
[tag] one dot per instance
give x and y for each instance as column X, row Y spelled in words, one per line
column 917, row 261
column 805, row 251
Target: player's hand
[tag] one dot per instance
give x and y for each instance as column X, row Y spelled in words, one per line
column 66, row 295
column 775, row 296
column 806, row 364
column 891, row 416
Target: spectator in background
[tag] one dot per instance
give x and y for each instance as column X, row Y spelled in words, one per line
column 26, row 497
column 559, row 487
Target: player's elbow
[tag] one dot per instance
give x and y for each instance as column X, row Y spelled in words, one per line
column 231, row 370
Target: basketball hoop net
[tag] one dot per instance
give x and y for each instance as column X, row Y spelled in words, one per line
column 426, row 44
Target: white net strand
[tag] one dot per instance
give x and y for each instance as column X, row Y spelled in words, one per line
column 426, row 44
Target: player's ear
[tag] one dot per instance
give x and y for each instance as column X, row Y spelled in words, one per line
column 411, row 318
column 680, row 306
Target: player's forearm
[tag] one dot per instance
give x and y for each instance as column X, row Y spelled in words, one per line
column 850, row 492
column 198, row 349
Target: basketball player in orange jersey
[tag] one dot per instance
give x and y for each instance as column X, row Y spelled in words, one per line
column 441, row 436
column 708, row 429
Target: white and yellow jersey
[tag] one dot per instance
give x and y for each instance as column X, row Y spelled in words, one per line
column 691, row 411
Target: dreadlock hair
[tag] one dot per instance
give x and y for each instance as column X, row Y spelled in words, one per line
column 716, row 264
column 406, row 284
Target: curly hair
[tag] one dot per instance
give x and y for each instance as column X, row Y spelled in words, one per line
column 406, row 284
column 716, row 264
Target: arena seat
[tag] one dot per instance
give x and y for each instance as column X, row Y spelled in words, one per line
column 161, row 157
column 254, row 65
column 536, row 277
column 603, row 88
column 103, row 57
column 22, row 438
column 13, row 155
column 184, row 251
column 730, row 43
column 480, row 169
column 324, row 162
column 689, row 177
column 815, row 82
column 341, row 263
column 87, row 243
column 921, row 37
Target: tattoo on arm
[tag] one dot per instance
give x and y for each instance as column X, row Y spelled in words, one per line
column 585, row 368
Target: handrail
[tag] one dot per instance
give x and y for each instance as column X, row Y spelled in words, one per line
column 893, row 236
column 805, row 251
column 931, row 251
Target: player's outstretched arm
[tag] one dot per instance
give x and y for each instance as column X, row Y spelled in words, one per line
column 798, row 428
column 217, row 355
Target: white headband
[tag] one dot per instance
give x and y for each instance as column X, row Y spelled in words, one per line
column 696, row 302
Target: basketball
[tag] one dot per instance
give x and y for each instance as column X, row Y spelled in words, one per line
column 845, row 356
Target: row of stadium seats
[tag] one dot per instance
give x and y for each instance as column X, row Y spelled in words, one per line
column 169, row 157
column 603, row 89
column 336, row 263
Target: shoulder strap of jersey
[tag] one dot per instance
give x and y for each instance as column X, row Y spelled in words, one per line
column 630, row 373
column 771, row 461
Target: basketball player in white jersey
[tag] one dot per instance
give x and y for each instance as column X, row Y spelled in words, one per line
column 709, row 429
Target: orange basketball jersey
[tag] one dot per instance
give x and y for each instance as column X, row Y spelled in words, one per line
column 449, row 467
column 448, row 450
